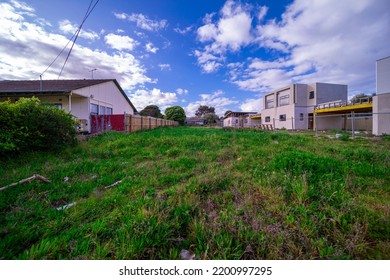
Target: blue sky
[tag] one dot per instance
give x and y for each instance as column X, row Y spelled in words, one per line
column 224, row 54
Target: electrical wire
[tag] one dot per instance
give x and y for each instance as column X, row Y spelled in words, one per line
column 72, row 39
column 89, row 11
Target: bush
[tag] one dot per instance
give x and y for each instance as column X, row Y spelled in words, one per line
column 28, row 125
column 175, row 113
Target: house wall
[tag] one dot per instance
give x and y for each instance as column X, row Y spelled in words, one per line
column 381, row 114
column 383, row 75
column 233, row 122
column 108, row 95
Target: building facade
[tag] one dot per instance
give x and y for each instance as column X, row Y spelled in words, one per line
column 292, row 107
column 381, row 101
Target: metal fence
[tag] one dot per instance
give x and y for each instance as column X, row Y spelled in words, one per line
column 353, row 123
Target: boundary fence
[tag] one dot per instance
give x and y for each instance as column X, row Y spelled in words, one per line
column 126, row 123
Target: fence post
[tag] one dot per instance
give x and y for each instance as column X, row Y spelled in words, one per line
column 292, row 123
column 353, row 124
column 124, row 122
column 315, row 123
column 273, row 122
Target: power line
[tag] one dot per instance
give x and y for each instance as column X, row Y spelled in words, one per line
column 72, row 39
column 89, row 11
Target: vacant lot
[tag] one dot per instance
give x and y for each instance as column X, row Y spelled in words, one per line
column 223, row 194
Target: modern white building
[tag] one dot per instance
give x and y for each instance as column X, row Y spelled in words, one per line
column 292, row 107
column 381, row 102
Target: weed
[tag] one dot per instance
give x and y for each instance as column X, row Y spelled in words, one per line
column 226, row 194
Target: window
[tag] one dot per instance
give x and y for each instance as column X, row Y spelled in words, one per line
column 102, row 110
column 228, row 122
column 301, row 116
column 94, row 109
column 267, row 119
column 311, row 95
column 54, row 105
column 269, row 102
column 284, row 98
column 282, row 118
column 108, row 111
column 246, row 121
column 236, row 120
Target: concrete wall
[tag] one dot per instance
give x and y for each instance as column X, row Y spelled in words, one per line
column 330, row 92
column 329, row 122
column 383, row 75
column 381, row 114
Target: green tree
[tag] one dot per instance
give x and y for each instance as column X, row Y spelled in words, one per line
column 210, row 118
column 358, row 97
column 202, row 110
column 175, row 113
column 151, row 111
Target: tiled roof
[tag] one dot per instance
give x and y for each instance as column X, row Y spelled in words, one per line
column 34, row 86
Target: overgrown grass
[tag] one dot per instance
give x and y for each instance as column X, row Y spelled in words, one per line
column 226, row 194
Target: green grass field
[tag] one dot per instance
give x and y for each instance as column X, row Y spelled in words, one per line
column 226, row 194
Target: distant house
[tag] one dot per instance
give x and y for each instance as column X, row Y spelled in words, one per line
column 81, row 98
column 241, row 119
column 194, row 121
column 292, row 107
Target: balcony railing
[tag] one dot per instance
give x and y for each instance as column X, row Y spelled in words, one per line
column 340, row 103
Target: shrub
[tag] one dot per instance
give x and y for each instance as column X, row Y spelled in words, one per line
column 28, row 125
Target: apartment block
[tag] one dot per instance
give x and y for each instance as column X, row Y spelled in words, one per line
column 292, row 107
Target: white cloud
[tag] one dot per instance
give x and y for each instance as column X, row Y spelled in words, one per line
column 143, row 97
column 150, row 48
column 27, row 48
column 181, row 91
column 165, row 67
column 184, row 30
column 69, row 28
column 143, row 21
column 216, row 100
column 230, row 32
column 120, row 42
column 252, row 105
column 325, row 41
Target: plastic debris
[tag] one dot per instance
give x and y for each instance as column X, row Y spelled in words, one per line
column 66, row 206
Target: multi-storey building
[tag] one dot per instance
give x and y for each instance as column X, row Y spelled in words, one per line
column 292, row 107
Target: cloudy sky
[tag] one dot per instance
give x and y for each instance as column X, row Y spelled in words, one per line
column 221, row 53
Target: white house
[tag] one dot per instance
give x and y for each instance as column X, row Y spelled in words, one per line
column 381, row 101
column 292, row 107
column 81, row 98
column 241, row 119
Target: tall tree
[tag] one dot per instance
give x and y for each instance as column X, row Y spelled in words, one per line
column 175, row 113
column 203, row 109
column 151, row 111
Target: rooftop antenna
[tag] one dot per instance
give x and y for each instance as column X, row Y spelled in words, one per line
column 92, row 70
